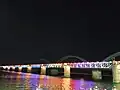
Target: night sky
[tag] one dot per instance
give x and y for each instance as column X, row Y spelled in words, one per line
column 30, row 30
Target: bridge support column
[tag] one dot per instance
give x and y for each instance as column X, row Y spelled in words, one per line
column 66, row 70
column 116, row 71
column 43, row 70
column 29, row 68
column 8, row 68
column 13, row 68
column 20, row 68
column 96, row 74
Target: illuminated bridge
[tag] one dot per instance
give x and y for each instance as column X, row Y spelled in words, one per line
column 108, row 67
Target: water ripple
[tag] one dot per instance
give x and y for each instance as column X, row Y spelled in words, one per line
column 19, row 81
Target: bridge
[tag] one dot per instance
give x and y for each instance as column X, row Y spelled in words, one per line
column 108, row 64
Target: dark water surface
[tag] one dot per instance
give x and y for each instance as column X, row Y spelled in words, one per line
column 28, row 81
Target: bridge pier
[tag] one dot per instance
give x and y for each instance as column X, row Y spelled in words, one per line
column 66, row 70
column 13, row 68
column 116, row 71
column 8, row 68
column 43, row 70
column 29, row 69
column 96, row 74
column 19, row 68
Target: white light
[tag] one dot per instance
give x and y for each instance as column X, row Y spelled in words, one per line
column 110, row 61
column 4, row 67
column 83, row 65
column 8, row 67
column 24, row 66
column 79, row 65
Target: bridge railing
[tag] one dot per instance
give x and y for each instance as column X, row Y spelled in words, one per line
column 97, row 65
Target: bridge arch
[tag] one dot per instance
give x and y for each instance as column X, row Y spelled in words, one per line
column 71, row 56
column 109, row 58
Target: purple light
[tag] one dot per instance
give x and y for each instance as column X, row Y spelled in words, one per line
column 82, row 84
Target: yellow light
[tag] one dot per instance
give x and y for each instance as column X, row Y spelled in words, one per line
column 20, row 68
column 65, row 64
column 118, row 66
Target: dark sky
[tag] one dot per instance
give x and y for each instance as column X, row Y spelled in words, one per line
column 30, row 30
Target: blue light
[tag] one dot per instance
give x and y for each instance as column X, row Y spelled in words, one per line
column 35, row 66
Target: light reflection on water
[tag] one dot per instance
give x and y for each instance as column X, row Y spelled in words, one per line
column 28, row 81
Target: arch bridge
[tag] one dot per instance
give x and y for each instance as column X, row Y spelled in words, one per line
column 107, row 63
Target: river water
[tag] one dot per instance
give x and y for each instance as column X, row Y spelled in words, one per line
column 27, row 81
